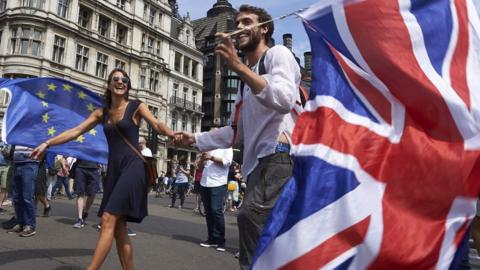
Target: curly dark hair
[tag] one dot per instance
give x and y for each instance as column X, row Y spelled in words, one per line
column 263, row 16
column 108, row 94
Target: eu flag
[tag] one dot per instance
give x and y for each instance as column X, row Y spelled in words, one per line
column 41, row 108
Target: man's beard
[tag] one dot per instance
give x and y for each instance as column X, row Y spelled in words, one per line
column 252, row 44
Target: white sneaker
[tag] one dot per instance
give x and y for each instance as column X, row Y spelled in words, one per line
column 7, row 202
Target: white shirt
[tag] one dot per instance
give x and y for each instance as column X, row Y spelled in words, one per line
column 146, row 152
column 263, row 117
column 215, row 174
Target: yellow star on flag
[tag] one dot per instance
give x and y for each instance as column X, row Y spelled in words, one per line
column 81, row 95
column 51, row 131
column 52, row 87
column 45, row 104
column 93, row 132
column 67, row 87
column 45, row 118
column 40, row 94
column 80, row 139
column 90, row 107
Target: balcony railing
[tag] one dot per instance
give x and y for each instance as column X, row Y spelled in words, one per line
column 185, row 104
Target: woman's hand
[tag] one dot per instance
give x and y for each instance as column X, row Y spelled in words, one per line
column 39, row 151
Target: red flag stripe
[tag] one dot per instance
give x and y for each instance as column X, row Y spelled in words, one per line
column 331, row 248
column 458, row 66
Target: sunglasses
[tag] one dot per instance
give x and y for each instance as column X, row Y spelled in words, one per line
column 124, row 79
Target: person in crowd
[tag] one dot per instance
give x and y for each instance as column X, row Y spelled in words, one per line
column 25, row 170
column 54, row 166
column 87, row 176
column 62, row 177
column 180, row 183
column 263, row 120
column 125, row 191
column 143, row 147
column 232, row 188
column 199, row 164
column 41, row 188
column 213, row 187
column 4, row 165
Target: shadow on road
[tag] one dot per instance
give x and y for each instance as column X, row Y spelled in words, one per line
column 68, row 221
column 19, row 255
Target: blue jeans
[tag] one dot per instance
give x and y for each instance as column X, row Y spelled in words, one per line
column 23, row 190
column 213, row 199
column 62, row 180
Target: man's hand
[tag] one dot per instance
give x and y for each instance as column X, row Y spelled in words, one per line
column 228, row 52
column 184, row 138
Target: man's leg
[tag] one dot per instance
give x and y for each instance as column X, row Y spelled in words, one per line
column 264, row 186
column 51, row 182
column 17, row 194
column 217, row 195
column 29, row 175
column 206, row 199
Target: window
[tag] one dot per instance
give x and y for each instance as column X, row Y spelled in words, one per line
column 194, row 124
column 81, row 60
column 33, row 3
column 144, row 38
column 102, row 65
column 174, row 120
column 232, row 83
column 145, row 11
column 194, row 97
column 185, row 93
column 122, row 34
column 187, row 36
column 26, row 40
column 119, row 64
column 178, row 57
column 3, row 5
column 175, row 90
column 194, row 69
column 184, row 122
column 186, row 62
column 143, row 77
column 121, row 4
column 154, row 80
column 103, row 26
column 150, row 41
column 84, row 15
column 58, row 49
column 153, row 14
column 159, row 48
column 62, row 9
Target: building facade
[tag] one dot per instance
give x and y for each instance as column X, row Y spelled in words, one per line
column 83, row 40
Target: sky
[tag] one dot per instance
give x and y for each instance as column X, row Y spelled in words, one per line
column 198, row 9
column 293, row 25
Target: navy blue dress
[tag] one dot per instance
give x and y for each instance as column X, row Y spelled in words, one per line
column 125, row 186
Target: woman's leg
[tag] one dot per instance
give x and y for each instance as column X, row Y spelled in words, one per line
column 104, row 243
column 124, row 246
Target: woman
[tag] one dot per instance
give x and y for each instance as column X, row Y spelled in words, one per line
column 125, row 190
column 181, row 183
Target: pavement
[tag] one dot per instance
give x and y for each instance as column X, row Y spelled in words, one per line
column 167, row 239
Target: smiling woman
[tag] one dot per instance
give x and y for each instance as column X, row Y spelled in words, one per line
column 125, row 185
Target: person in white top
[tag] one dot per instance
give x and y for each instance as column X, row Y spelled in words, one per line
column 213, row 189
column 146, row 152
column 265, row 121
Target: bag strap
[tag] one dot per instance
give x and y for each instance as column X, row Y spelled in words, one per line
column 129, row 144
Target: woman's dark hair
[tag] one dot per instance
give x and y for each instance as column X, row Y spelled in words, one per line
column 263, row 16
column 108, row 93
column 182, row 162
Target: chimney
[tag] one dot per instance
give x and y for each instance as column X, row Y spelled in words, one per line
column 307, row 56
column 287, row 41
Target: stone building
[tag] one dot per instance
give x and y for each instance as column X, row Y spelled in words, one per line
column 82, row 40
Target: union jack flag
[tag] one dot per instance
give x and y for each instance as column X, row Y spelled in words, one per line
column 387, row 167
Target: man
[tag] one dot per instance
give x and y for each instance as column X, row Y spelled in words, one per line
column 4, row 151
column 25, row 172
column 213, row 189
column 146, row 152
column 85, row 183
column 265, row 121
